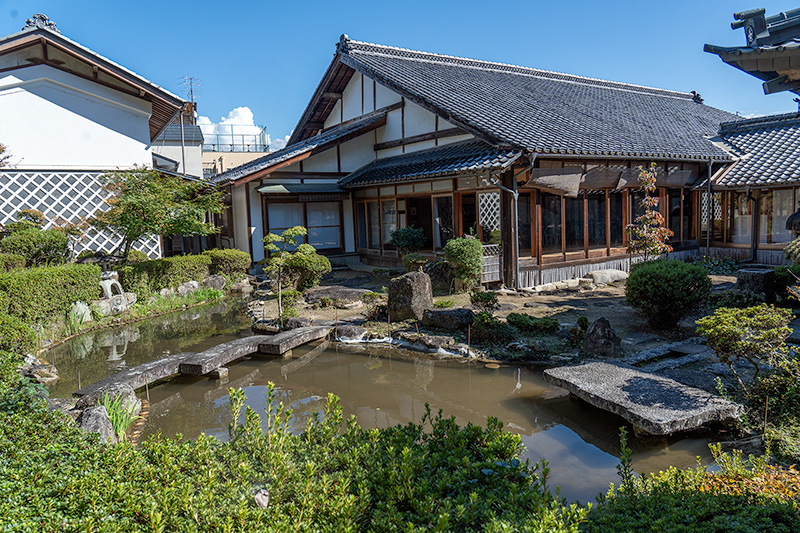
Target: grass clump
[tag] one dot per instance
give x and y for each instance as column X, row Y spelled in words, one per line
column 443, row 304
column 533, row 326
column 120, row 414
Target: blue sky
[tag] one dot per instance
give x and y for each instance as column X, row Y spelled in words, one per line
column 269, row 56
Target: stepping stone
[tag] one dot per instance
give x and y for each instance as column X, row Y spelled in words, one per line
column 204, row 362
column 688, row 348
column 283, row 342
column 653, row 404
column 638, row 339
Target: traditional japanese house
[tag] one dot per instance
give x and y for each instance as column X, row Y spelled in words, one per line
column 540, row 166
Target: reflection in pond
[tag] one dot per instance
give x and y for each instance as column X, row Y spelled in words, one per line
column 384, row 387
column 103, row 352
column 380, row 386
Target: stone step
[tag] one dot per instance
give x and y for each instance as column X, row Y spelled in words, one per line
column 653, row 404
column 204, row 362
column 285, row 341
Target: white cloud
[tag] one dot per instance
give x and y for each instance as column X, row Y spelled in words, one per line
column 277, row 144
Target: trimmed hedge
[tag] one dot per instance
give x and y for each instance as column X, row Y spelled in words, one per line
column 50, row 247
column 16, row 336
column 11, row 261
column 151, row 276
column 228, row 263
column 465, row 255
column 36, row 294
column 666, row 290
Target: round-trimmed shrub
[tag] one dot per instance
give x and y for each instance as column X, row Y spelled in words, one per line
column 408, row 240
column 11, row 261
column 664, row 291
column 230, row 263
column 49, row 247
column 306, row 267
column 465, row 255
column 135, row 257
column 16, row 336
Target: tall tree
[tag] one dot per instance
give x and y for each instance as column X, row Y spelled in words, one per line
column 144, row 202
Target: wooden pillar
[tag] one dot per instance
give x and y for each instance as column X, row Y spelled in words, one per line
column 508, row 230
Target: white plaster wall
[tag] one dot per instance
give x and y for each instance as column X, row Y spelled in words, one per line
column 194, row 156
column 323, row 162
column 351, row 98
column 357, row 152
column 54, row 120
column 393, row 129
column 349, row 229
column 416, row 147
column 335, row 117
column 455, row 139
column 256, row 219
column 241, row 232
column 384, row 96
column 369, row 95
column 418, row 120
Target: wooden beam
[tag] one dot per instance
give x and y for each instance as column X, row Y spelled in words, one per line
column 450, row 132
column 332, row 95
column 306, row 175
column 314, row 125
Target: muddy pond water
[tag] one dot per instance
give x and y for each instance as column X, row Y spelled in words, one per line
column 380, row 386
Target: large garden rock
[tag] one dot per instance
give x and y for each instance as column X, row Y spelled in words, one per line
column 334, row 295
column 409, row 296
column 188, row 288
column 442, row 276
column 297, row 322
column 80, row 312
column 757, row 280
column 607, row 275
column 123, row 391
column 602, row 340
column 449, row 319
column 350, row 333
column 96, row 420
column 215, row 282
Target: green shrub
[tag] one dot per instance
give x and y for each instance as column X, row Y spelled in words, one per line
column 483, row 300
column 136, row 256
column 11, row 261
column 734, row 298
column 717, row 265
column 785, row 278
column 233, row 264
column 753, row 334
column 533, row 326
column 38, row 294
column 49, row 247
column 443, row 304
column 665, row 291
column 16, row 336
column 465, row 255
column 4, row 302
column 289, row 299
column 414, row 262
column 488, row 329
column 408, row 240
column 429, row 475
column 305, row 267
column 169, row 272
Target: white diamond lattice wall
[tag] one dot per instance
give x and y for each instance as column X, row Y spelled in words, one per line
column 69, row 196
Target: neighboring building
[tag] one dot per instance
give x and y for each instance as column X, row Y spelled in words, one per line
column 70, row 115
column 395, row 137
column 237, row 146
column 752, row 199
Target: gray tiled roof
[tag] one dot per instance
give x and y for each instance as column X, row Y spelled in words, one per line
column 542, row 111
column 465, row 157
column 191, row 133
column 771, row 148
column 296, row 149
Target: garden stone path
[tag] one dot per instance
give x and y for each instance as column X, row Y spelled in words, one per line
column 653, row 404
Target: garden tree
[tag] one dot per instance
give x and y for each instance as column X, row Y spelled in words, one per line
column 753, row 334
column 3, row 156
column 27, row 219
column 648, row 234
column 145, row 202
column 277, row 246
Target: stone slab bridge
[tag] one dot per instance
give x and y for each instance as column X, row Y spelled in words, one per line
column 654, row 405
column 208, row 362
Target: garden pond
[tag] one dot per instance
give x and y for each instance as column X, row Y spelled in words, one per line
column 380, row 386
